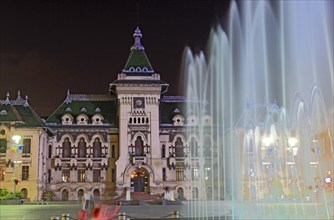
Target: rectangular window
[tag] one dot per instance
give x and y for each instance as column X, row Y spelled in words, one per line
column 3, row 145
column 113, row 151
column 179, row 174
column 164, row 176
column 113, row 175
column 26, row 146
column 195, row 174
column 50, row 151
column 49, row 176
column 96, row 175
column 65, row 176
column 81, row 175
column 25, row 172
column 2, row 173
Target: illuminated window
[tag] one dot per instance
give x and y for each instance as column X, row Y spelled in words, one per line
column 81, row 175
column 66, row 176
column 195, row 173
column 179, row 174
column 25, row 172
column 139, row 148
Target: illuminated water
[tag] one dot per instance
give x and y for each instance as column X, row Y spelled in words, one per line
column 268, row 84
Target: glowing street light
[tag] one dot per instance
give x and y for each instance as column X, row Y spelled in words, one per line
column 292, row 141
column 267, row 141
column 16, row 139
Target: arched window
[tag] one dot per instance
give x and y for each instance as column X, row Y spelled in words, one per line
column 64, row 195
column 180, row 193
column 195, row 193
column 193, row 147
column 96, row 194
column 147, row 120
column 80, row 194
column 134, row 120
column 139, row 148
column 82, row 148
column 179, row 148
column 130, row 120
column 207, row 147
column 66, row 148
column 24, row 193
column 97, row 149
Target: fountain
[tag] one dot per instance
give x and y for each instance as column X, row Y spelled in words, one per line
column 263, row 93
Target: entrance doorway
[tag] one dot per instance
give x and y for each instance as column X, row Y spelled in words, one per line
column 140, row 180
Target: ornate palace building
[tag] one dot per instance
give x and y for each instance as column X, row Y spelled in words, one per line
column 134, row 137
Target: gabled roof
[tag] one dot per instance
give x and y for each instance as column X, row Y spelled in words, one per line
column 76, row 104
column 19, row 112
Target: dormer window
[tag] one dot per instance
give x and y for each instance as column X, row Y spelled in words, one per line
column 206, row 120
column 97, row 109
column 82, row 119
column 97, row 119
column 192, row 120
column 68, row 109
column 83, row 109
column 67, row 119
column 3, row 112
column 178, row 120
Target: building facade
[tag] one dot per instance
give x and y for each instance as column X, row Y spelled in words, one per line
column 135, row 138
column 22, row 164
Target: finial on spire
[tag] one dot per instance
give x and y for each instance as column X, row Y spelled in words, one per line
column 7, row 101
column 26, row 102
column 68, row 98
column 137, row 35
column 19, row 98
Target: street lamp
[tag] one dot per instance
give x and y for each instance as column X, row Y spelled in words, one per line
column 16, row 139
column 292, row 141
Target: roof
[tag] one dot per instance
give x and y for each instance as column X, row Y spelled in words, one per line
column 19, row 112
column 171, row 106
column 138, row 63
column 76, row 104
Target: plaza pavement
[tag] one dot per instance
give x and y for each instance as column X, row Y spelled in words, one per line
column 213, row 209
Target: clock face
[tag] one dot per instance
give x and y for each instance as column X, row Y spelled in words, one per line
column 138, row 102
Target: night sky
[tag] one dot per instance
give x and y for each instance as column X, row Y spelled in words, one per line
column 49, row 46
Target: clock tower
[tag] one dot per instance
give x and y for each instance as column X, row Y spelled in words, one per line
column 138, row 90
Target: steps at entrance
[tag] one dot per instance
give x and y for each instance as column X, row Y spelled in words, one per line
column 140, row 196
column 143, row 196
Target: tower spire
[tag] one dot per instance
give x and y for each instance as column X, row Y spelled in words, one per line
column 137, row 36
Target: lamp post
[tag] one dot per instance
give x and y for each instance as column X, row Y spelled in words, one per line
column 16, row 139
